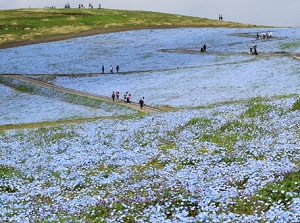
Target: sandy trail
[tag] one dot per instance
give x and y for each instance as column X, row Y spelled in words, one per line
column 133, row 105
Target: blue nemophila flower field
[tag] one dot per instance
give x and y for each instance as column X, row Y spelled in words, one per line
column 229, row 153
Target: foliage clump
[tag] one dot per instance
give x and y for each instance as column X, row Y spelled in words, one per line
column 296, row 105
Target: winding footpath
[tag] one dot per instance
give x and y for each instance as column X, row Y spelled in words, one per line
column 132, row 105
column 32, row 81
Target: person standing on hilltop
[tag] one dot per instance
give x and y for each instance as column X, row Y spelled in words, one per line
column 117, row 68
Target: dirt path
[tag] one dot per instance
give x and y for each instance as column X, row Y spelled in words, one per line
column 133, row 105
column 262, row 54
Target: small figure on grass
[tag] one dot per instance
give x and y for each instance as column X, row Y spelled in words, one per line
column 128, row 98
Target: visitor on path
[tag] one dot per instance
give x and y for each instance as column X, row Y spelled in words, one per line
column 141, row 102
column 128, row 98
column 118, row 94
column 125, row 97
column 111, row 69
column 117, row 68
column 255, row 50
column 203, row 48
column 113, row 96
column 102, row 69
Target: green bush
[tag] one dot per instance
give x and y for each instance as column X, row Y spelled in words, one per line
column 296, row 105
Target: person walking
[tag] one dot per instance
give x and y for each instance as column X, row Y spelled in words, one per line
column 113, row 96
column 102, row 69
column 118, row 94
column 125, row 97
column 117, row 68
column 111, row 69
column 255, row 50
column 141, row 102
column 128, row 98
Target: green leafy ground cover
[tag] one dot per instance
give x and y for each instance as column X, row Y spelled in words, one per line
column 30, row 24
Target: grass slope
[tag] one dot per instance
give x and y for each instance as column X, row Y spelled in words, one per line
column 32, row 24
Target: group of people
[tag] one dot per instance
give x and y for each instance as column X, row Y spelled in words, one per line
column 127, row 96
column 80, row 6
column 220, row 17
column 116, row 94
column 111, row 69
column 67, row 6
column 267, row 35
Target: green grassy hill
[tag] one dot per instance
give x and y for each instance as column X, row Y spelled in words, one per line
column 32, row 24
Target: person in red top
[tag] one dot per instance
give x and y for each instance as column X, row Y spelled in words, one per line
column 128, row 98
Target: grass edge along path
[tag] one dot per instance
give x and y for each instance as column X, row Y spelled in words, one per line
column 132, row 105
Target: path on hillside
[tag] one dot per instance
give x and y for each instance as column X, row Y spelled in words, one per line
column 44, row 77
column 133, row 105
column 262, row 54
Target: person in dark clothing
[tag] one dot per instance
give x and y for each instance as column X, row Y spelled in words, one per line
column 255, row 50
column 102, row 69
column 117, row 68
column 141, row 102
column 128, row 98
column 113, row 96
